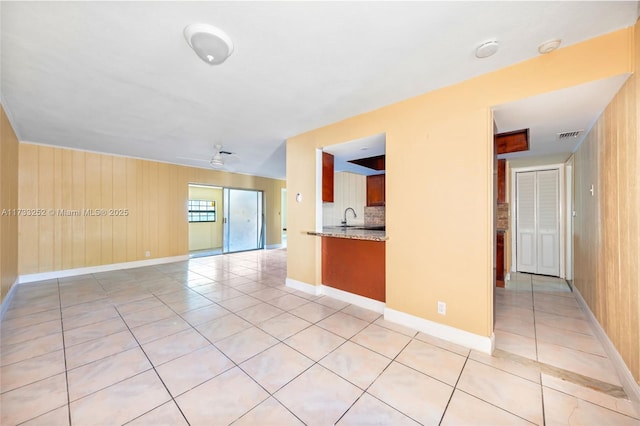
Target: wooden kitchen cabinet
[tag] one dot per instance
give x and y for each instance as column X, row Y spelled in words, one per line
column 500, row 259
column 354, row 266
column 327, row 177
column 502, row 181
column 375, row 190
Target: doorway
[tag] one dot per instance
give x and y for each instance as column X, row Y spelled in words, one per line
column 283, row 215
column 538, row 243
column 224, row 220
column 243, row 220
column 205, row 223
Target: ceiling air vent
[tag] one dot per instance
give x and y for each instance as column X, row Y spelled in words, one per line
column 569, row 135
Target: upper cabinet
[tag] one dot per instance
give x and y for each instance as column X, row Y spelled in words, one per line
column 515, row 141
column 502, row 181
column 375, row 190
column 327, row 177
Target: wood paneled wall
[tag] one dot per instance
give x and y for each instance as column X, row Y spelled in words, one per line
column 154, row 195
column 8, row 202
column 607, row 225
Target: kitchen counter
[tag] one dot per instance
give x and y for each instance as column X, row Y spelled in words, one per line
column 352, row 233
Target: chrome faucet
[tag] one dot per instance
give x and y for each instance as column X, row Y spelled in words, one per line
column 344, row 222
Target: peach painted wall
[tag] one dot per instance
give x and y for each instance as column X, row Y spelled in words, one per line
column 439, row 178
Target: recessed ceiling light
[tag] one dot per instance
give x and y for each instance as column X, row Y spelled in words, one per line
column 211, row 44
column 487, row 49
column 549, row 46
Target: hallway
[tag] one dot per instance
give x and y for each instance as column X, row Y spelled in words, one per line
column 221, row 340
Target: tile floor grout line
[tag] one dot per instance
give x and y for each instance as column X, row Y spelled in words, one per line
column 64, row 354
column 364, row 391
column 72, row 297
column 318, row 362
column 153, row 367
column 455, row 386
column 544, row 417
column 535, row 329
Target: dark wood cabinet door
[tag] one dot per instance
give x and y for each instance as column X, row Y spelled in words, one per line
column 502, row 181
column 375, row 190
column 500, row 259
column 327, row 177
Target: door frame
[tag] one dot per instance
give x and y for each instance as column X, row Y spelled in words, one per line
column 562, row 214
column 262, row 235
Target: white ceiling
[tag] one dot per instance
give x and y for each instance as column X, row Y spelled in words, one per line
column 571, row 109
column 118, row 77
column 370, row 146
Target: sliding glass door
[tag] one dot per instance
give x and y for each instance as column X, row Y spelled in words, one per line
column 243, row 220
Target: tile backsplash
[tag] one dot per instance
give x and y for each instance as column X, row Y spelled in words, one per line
column 502, row 223
column 374, row 216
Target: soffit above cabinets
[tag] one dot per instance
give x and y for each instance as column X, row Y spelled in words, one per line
column 358, row 149
column 376, row 163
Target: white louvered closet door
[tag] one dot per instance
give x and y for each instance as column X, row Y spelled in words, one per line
column 537, row 222
column 548, row 223
column 526, row 222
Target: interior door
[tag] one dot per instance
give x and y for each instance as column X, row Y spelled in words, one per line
column 547, row 204
column 526, row 222
column 244, row 224
column 537, row 222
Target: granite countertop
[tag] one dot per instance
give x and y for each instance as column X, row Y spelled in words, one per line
column 352, row 233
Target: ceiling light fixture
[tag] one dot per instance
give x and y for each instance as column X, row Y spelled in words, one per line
column 211, row 44
column 216, row 160
column 487, row 49
column 549, row 46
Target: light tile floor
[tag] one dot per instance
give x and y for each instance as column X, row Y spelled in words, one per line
column 221, row 340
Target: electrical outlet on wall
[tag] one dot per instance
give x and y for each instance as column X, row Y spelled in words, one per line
column 442, row 308
column 147, row 254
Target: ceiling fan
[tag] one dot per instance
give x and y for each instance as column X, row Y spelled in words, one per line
column 218, row 159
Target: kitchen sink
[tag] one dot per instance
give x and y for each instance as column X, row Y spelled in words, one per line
column 357, row 227
column 370, row 228
column 374, row 228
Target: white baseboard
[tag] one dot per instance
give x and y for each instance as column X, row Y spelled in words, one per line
column 442, row 331
column 445, row 332
column 7, row 300
column 354, row 299
column 304, row 287
column 274, row 246
column 29, row 278
column 629, row 384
